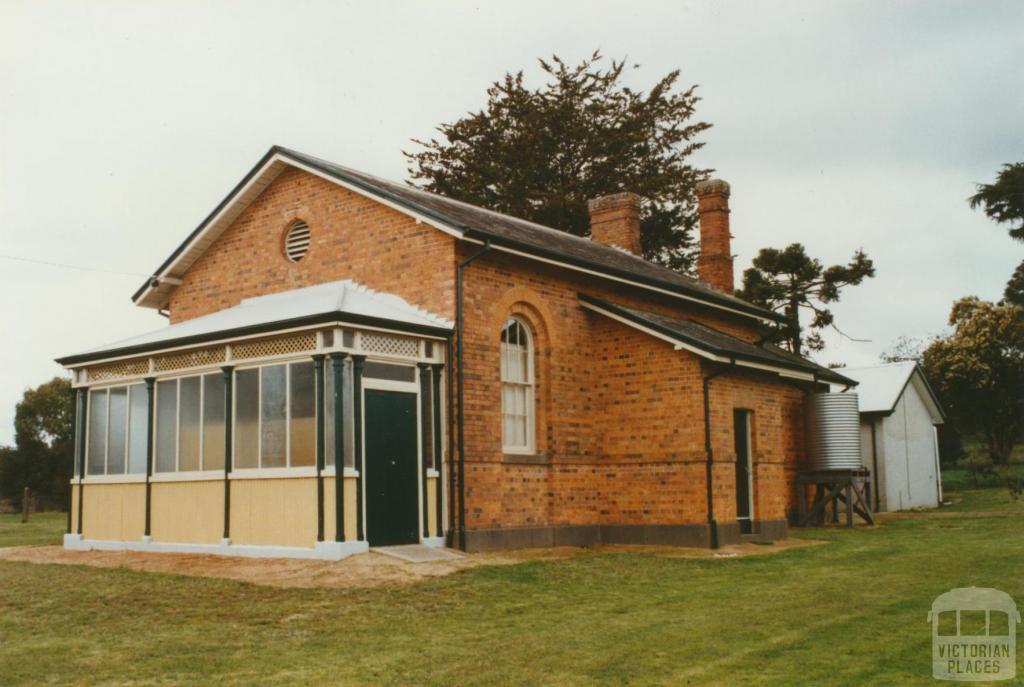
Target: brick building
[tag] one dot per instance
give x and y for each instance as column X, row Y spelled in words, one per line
column 482, row 380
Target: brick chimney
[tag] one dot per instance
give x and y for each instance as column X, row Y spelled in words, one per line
column 714, row 266
column 615, row 221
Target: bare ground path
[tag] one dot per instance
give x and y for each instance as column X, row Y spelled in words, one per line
column 359, row 571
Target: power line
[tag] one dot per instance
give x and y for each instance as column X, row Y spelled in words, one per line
column 71, row 267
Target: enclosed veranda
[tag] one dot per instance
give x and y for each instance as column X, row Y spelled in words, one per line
column 224, row 434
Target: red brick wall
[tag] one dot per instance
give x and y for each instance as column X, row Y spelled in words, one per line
column 619, row 413
column 351, row 237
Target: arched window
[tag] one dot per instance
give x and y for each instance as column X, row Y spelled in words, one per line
column 517, row 402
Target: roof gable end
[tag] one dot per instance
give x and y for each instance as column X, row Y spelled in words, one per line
column 461, row 220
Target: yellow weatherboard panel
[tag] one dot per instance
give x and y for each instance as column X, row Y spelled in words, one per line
column 113, row 512
column 187, row 512
column 274, row 512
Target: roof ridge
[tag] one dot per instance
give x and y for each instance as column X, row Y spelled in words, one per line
column 480, row 208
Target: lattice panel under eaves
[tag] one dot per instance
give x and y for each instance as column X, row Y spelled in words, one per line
column 283, row 345
column 385, row 344
column 123, row 368
column 196, row 358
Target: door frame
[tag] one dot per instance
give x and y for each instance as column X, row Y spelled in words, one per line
column 412, row 388
column 748, row 428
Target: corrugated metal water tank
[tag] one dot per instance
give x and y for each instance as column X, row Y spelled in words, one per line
column 833, row 422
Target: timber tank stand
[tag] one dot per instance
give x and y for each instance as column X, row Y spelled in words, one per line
column 852, row 488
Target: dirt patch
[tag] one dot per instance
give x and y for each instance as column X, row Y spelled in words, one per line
column 359, row 571
column 731, row 551
column 363, row 570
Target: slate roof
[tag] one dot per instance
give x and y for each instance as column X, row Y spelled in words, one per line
column 503, row 230
column 719, row 343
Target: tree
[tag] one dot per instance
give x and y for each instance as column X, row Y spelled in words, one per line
column 541, row 153
column 42, row 432
column 904, row 349
column 1014, row 292
column 978, row 372
column 1003, row 200
column 789, row 281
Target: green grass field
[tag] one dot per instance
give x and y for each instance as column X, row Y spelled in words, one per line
column 849, row 612
column 41, row 528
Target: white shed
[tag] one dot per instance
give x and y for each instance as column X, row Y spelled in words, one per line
column 899, row 440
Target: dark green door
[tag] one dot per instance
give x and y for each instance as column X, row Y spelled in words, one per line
column 391, row 484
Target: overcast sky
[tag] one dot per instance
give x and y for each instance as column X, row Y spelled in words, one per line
column 840, row 125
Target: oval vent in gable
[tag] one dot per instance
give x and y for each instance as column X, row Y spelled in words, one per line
column 296, row 241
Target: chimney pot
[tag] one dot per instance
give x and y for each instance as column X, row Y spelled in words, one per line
column 714, row 265
column 615, row 221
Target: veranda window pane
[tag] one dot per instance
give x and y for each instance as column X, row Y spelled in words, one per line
column 116, row 433
column 247, row 413
column 138, row 430
column 302, row 396
column 166, row 425
column 213, row 422
column 188, row 433
column 273, row 402
column 96, row 460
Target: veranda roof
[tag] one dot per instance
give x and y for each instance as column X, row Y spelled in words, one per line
column 715, row 345
column 341, row 301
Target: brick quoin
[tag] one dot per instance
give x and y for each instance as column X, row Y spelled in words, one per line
column 620, row 428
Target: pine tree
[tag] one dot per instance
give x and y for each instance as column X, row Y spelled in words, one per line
column 541, row 153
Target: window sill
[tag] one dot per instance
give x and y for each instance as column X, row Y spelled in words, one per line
column 112, row 479
column 271, row 473
column 525, row 458
column 329, row 471
column 192, row 476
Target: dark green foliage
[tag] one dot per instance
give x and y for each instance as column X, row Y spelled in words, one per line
column 788, row 281
column 1014, row 292
column 540, row 154
column 42, row 430
column 1003, row 200
column 978, row 372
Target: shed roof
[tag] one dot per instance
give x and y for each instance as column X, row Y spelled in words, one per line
column 340, row 301
column 463, row 220
column 881, row 386
column 715, row 345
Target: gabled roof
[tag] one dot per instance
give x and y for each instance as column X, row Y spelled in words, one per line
column 340, row 301
column 715, row 345
column 881, row 386
column 464, row 221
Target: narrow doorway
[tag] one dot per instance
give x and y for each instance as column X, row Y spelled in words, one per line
column 744, row 471
column 392, row 516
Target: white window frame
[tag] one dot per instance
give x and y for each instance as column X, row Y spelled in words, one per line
column 530, row 446
column 177, row 474
column 106, row 476
column 288, row 470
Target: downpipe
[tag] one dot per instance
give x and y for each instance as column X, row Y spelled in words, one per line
column 459, row 362
column 709, row 451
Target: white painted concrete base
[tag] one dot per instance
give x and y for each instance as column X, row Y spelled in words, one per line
column 433, row 541
column 324, row 551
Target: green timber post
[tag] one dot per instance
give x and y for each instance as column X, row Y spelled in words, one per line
column 338, row 392
column 318, row 370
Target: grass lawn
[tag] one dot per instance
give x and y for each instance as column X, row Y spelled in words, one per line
column 41, row 528
column 852, row 611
